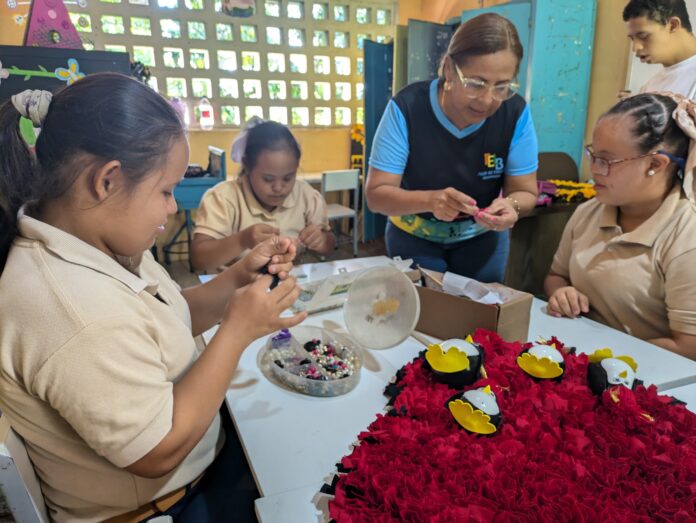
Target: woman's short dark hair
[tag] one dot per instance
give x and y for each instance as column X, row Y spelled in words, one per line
column 484, row 34
column 100, row 118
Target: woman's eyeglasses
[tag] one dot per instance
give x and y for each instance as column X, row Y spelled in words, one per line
column 475, row 88
column 602, row 166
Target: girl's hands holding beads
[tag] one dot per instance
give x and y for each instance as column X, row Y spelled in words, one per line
column 254, row 311
column 276, row 253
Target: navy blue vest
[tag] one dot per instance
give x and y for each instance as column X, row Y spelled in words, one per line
column 474, row 165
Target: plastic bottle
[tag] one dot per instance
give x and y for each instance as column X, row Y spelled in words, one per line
column 207, row 119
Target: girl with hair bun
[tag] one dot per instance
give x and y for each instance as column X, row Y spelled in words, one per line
column 265, row 199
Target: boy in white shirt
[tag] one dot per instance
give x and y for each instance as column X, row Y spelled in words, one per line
column 660, row 31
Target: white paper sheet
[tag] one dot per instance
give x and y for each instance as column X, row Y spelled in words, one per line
column 472, row 289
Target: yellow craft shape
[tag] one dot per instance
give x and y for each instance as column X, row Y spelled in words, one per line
column 602, row 354
column 453, row 360
column 472, row 420
column 629, row 361
column 539, row 367
column 385, row 307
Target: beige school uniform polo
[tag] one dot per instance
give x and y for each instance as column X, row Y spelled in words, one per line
column 642, row 282
column 231, row 206
column 89, row 354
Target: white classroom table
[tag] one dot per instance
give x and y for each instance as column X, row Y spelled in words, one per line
column 292, row 442
column 655, row 365
column 687, row 394
column 301, row 505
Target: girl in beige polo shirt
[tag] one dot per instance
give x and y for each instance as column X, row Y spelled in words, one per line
column 266, row 199
column 628, row 257
column 99, row 371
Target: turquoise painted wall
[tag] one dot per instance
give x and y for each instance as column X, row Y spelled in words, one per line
column 561, row 60
column 558, row 50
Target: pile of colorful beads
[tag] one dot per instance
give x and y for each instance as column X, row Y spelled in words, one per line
column 317, row 362
column 336, row 362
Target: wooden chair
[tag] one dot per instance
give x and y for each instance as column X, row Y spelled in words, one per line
column 557, row 166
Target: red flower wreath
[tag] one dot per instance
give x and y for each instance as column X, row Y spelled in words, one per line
column 561, row 454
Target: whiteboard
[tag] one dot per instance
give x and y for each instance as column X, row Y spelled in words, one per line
column 638, row 72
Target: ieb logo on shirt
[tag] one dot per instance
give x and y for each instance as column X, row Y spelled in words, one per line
column 494, row 166
column 492, row 161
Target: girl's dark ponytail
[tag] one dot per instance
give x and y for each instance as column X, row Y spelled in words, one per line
column 17, row 176
column 102, row 117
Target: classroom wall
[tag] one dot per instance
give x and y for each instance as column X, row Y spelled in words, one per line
column 13, row 23
column 322, row 149
column 443, row 10
column 439, row 11
column 412, row 9
column 329, row 148
column 609, row 65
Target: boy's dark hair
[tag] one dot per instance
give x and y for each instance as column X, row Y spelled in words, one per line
column 659, row 11
column 267, row 136
column 653, row 123
column 102, row 117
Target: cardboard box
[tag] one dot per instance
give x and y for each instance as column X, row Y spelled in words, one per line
column 446, row 316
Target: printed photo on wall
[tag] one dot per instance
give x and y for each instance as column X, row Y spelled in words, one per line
column 239, row 8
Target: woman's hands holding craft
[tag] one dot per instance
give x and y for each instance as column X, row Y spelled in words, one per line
column 447, row 204
column 500, row 215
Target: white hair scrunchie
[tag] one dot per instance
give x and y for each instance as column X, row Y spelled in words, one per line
column 33, row 104
column 240, row 142
column 685, row 117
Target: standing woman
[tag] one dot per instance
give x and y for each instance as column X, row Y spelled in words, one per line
column 454, row 160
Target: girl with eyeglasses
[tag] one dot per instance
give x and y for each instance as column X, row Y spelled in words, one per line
column 454, row 159
column 628, row 257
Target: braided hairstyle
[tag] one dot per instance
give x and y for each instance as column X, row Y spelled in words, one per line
column 653, row 123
